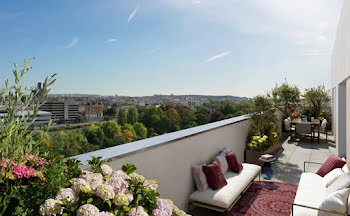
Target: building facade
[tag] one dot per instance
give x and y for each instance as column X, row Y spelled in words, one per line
column 62, row 112
column 93, row 112
column 341, row 83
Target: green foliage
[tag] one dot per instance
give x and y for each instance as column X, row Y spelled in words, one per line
column 316, row 100
column 16, row 137
column 263, row 121
column 30, row 194
column 109, row 112
column 129, row 168
column 15, row 134
column 286, row 97
column 132, row 115
column 188, row 117
column 95, row 164
column 153, row 121
column 122, row 119
column 111, row 129
column 130, row 128
column 140, row 130
column 68, row 143
column 174, row 117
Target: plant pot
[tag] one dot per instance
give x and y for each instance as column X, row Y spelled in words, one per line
column 252, row 156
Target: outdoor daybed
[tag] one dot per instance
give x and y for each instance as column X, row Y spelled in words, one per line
column 312, row 193
column 224, row 199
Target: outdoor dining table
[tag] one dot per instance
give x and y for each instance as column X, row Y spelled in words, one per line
column 312, row 125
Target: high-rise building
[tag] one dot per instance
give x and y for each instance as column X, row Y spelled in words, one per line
column 63, row 112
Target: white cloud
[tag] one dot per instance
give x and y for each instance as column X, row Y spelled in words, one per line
column 111, row 40
column 318, row 52
column 196, row 2
column 317, row 20
column 154, row 50
column 221, row 55
column 74, row 42
column 134, row 12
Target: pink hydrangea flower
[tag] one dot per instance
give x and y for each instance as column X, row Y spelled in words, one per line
column 158, row 212
column 164, row 205
column 130, row 197
column 138, row 211
column 119, row 184
column 88, row 210
column 68, row 194
column 120, row 173
column 40, row 161
column 20, row 171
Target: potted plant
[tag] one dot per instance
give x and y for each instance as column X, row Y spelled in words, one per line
column 296, row 116
column 263, row 132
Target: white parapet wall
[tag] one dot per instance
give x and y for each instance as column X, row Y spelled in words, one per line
column 168, row 158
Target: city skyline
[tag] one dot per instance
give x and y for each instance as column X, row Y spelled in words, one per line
column 139, row 48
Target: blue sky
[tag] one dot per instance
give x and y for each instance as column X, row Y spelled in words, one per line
column 146, row 47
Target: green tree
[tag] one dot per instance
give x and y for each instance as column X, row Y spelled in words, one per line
column 94, row 134
column 174, row 117
column 286, row 97
column 15, row 130
column 132, row 115
column 130, row 128
column 126, row 136
column 111, row 129
column 188, row 117
column 263, row 118
column 141, row 131
column 316, row 100
column 202, row 115
column 151, row 116
column 216, row 115
column 122, row 119
column 109, row 112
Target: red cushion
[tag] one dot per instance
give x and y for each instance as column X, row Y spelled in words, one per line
column 215, row 178
column 233, row 163
column 331, row 163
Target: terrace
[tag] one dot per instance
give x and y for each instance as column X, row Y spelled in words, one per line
column 169, row 158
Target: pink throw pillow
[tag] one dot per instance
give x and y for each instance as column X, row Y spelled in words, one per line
column 331, row 163
column 199, row 178
column 215, row 178
column 222, row 163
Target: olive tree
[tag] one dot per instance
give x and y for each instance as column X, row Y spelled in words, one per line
column 286, row 97
column 316, row 100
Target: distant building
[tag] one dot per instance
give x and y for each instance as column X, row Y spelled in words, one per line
column 62, row 112
column 42, row 118
column 194, row 103
column 93, row 112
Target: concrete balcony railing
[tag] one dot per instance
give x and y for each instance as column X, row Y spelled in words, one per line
column 169, row 158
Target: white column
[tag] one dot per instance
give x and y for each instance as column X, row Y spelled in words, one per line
column 347, row 110
column 341, row 119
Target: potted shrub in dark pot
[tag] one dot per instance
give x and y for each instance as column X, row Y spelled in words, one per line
column 263, row 132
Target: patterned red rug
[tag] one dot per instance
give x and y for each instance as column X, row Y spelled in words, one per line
column 265, row 199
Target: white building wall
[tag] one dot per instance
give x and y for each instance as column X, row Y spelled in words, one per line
column 340, row 82
column 169, row 158
column 341, row 50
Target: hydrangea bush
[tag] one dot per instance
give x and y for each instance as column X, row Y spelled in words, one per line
column 102, row 191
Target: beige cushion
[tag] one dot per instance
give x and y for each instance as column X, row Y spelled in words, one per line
column 333, row 175
column 311, row 192
column 236, row 183
column 336, row 201
column 345, row 168
column 199, row 177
